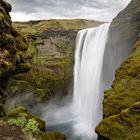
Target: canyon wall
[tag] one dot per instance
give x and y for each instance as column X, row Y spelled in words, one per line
column 121, row 105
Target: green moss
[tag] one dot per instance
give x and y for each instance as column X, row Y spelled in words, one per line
column 126, row 87
column 21, row 112
column 124, row 126
column 49, row 136
column 31, row 125
column 121, row 103
column 28, row 126
column 13, row 51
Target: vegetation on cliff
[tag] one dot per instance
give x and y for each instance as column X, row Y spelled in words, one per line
column 126, row 87
column 52, row 44
column 124, row 126
column 13, row 51
column 121, row 103
column 18, row 124
column 21, row 125
column 31, row 126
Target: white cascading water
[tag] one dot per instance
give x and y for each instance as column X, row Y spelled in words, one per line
column 88, row 88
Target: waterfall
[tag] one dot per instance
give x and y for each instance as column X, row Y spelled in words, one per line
column 88, row 86
column 95, row 64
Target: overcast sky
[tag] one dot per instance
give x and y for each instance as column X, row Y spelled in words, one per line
column 103, row 10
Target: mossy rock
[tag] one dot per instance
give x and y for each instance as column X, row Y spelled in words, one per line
column 22, row 112
column 16, row 115
column 121, row 102
column 9, row 130
column 49, row 136
column 125, row 90
column 13, row 51
column 124, row 126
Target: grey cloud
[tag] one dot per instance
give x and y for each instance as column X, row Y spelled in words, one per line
column 95, row 9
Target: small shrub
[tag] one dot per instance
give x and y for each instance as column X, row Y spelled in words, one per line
column 31, row 126
column 19, row 122
column 28, row 126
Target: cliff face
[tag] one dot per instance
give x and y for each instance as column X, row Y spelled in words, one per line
column 14, row 57
column 122, row 101
column 13, row 51
column 52, row 43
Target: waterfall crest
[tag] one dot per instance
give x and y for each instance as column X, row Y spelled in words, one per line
column 88, row 87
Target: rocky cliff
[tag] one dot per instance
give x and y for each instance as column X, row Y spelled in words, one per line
column 122, row 101
column 52, row 43
column 18, row 124
column 13, row 51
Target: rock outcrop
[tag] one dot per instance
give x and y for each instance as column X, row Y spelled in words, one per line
column 122, row 101
column 14, row 58
column 13, row 52
column 28, row 126
column 124, row 126
column 52, row 43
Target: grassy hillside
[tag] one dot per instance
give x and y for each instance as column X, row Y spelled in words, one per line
column 37, row 26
